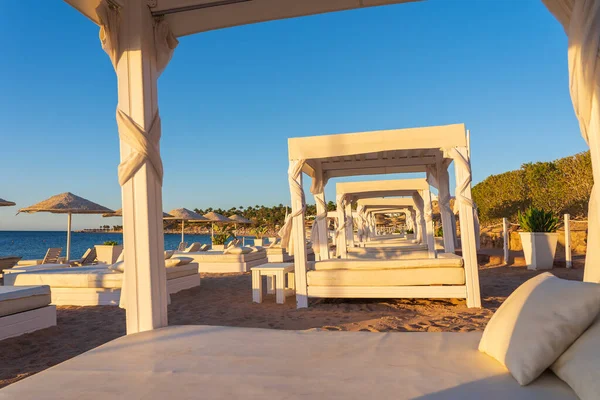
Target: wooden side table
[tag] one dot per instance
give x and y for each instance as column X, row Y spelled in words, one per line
column 276, row 279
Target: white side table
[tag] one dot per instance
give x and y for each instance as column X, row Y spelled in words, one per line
column 276, row 274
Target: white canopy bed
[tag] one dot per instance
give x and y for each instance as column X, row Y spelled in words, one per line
column 449, row 363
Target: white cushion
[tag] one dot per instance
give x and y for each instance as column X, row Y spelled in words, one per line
column 204, row 247
column 118, row 266
column 169, row 254
column 538, row 322
column 256, row 248
column 237, row 250
column 121, row 256
column 579, row 365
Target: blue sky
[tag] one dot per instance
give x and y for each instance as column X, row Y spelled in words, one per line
column 229, row 99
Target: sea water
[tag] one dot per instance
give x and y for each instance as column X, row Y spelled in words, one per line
column 34, row 244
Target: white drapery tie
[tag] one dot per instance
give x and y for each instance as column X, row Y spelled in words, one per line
column 286, row 230
column 145, row 146
column 581, row 22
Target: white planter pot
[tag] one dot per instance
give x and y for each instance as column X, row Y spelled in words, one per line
column 108, row 254
column 259, row 242
column 219, row 247
column 539, row 249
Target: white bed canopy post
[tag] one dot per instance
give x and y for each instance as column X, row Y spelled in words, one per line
column 140, row 47
column 349, row 225
column 319, row 232
column 340, row 233
column 467, row 223
column 298, row 234
column 428, row 218
column 579, row 19
column 68, row 254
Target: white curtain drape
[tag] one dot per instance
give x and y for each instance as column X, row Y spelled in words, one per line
column 460, row 190
column 420, row 218
column 287, row 239
column 340, row 232
column 581, row 22
column 317, row 237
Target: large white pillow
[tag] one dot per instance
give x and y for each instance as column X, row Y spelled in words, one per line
column 579, row 366
column 538, row 322
column 237, row 250
column 118, row 266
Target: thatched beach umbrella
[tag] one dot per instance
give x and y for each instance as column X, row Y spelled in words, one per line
column 216, row 217
column 184, row 214
column 238, row 219
column 119, row 213
column 67, row 203
column 6, row 203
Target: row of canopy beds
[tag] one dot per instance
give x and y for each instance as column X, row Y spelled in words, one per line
column 371, row 266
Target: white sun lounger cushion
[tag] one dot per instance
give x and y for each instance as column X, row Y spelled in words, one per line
column 237, row 250
column 538, row 322
column 70, row 277
column 39, row 267
column 256, row 249
column 579, row 365
column 375, row 264
column 387, row 277
column 182, row 270
column 215, row 256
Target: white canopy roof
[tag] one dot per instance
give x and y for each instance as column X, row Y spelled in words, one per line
column 383, row 188
column 192, row 16
column 376, row 152
column 386, row 202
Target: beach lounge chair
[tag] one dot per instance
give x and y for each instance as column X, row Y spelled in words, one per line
column 7, row 262
column 25, row 309
column 52, row 256
column 182, row 246
column 193, row 247
column 232, row 259
column 88, row 258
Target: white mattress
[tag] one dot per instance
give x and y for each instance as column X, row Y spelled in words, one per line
column 212, row 362
column 215, row 256
column 14, row 300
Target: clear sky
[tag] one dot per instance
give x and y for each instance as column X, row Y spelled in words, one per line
column 229, row 99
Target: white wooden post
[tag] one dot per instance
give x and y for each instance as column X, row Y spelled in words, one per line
column 428, row 219
column 568, row 255
column 349, row 225
column 299, row 239
column 341, row 244
column 420, row 219
column 467, row 228
column 145, row 276
column 443, row 180
column 506, row 239
column 68, row 255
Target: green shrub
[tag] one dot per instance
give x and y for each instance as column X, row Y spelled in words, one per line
column 259, row 231
column 410, row 231
column 111, row 243
column 439, row 232
column 537, row 220
column 222, row 233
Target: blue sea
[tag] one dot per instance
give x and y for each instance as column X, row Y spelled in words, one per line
column 33, row 244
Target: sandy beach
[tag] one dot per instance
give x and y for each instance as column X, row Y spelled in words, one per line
column 225, row 299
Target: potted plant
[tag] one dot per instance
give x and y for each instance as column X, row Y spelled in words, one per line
column 221, row 235
column 410, row 234
column 108, row 252
column 259, row 232
column 538, row 238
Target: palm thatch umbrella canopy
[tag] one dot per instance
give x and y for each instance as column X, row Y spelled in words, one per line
column 6, row 203
column 119, row 213
column 67, row 203
column 216, row 217
column 238, row 219
column 184, row 214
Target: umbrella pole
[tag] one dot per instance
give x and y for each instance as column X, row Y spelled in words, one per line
column 212, row 232
column 68, row 236
column 182, row 227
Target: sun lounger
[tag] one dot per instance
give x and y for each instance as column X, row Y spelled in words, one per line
column 217, row 261
column 52, row 256
column 88, row 258
column 25, row 309
column 276, row 254
column 96, row 285
column 192, row 248
column 7, row 262
column 231, row 363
